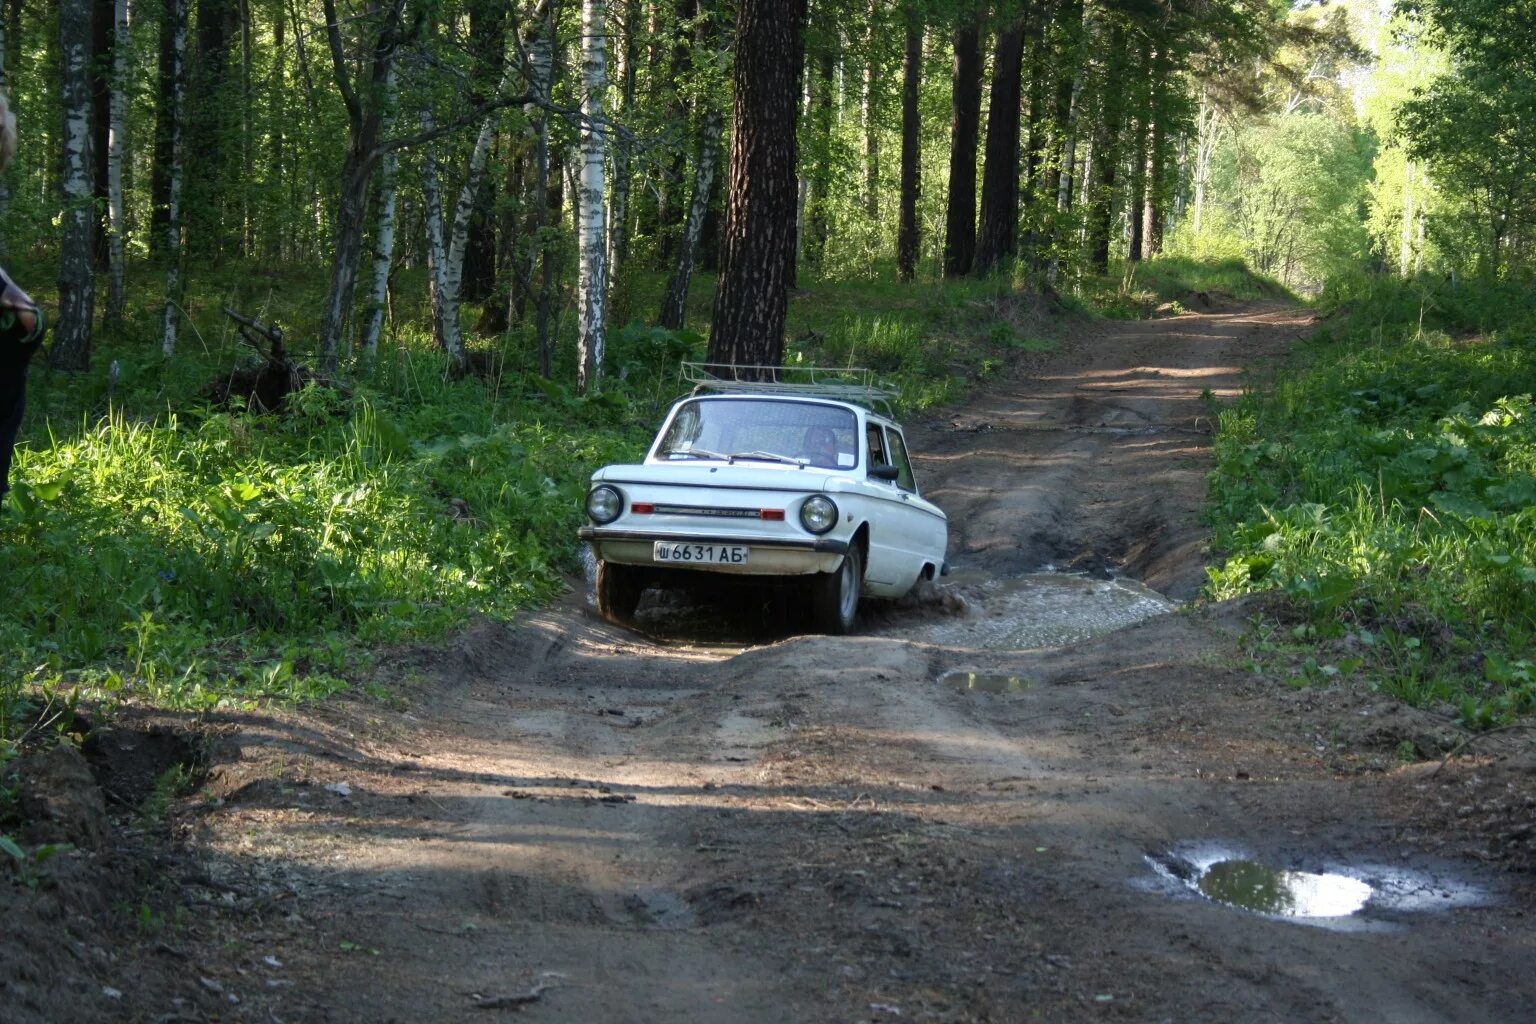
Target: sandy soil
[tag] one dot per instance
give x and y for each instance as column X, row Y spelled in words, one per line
column 575, row 822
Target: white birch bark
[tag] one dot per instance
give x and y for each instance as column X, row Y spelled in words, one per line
column 445, row 321
column 1208, row 132
column 458, row 242
column 77, row 284
column 674, row 303
column 591, row 278
column 178, row 12
column 118, row 120
column 383, row 236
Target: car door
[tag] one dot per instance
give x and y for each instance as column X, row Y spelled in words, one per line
column 901, row 525
column 917, row 527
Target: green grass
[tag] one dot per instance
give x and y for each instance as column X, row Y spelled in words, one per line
column 1137, row 291
column 160, row 550
column 1388, row 485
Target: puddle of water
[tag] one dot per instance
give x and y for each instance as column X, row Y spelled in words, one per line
column 1043, row 610
column 1340, row 897
column 984, row 682
column 1269, row 890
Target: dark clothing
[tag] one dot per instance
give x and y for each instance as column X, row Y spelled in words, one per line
column 13, row 395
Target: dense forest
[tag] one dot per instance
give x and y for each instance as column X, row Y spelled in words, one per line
column 482, row 233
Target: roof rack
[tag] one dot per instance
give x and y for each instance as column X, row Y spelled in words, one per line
column 842, row 384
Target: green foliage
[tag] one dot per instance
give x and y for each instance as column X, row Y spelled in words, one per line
column 1390, row 489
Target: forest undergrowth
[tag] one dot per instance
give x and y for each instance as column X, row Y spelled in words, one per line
column 1386, row 483
column 162, row 549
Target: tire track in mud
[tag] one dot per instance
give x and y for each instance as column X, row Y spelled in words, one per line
column 812, row 829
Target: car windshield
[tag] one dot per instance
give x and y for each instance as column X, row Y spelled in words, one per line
column 762, row 430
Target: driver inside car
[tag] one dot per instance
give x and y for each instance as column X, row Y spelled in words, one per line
column 820, row 447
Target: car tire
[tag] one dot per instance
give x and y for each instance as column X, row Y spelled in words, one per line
column 835, row 595
column 618, row 591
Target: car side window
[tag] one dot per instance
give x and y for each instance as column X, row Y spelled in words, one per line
column 876, row 439
column 904, row 477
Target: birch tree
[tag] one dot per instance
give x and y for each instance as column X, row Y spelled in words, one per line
column 674, row 303
column 383, row 236
column 116, row 219
column 174, row 74
column 591, row 281
column 77, row 283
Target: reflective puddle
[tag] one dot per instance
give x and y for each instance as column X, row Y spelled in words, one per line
column 1340, row 897
column 1269, row 890
column 984, row 682
column 1041, row 610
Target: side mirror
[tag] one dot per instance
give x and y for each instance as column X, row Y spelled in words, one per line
column 882, row 471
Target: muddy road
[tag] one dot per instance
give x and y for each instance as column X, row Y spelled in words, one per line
column 574, row 822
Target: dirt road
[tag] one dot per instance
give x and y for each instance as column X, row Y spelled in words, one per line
column 581, row 824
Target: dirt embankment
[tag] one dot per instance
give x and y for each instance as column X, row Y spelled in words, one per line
column 579, row 823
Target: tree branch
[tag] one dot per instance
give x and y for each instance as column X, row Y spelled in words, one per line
column 339, row 60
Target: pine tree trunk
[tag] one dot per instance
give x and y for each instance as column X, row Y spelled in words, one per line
column 77, row 284
column 592, row 239
column 674, row 303
column 173, row 76
column 997, row 236
column 117, row 223
column 1136, row 201
column 171, row 68
column 751, row 301
column 960, row 210
column 1157, row 188
column 1034, row 156
column 911, row 128
column 669, row 207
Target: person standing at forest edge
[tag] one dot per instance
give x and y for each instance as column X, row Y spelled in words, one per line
column 21, row 328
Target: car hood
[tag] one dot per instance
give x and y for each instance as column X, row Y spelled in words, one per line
column 755, row 476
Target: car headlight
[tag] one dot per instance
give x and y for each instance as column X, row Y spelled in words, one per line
column 604, row 504
column 818, row 514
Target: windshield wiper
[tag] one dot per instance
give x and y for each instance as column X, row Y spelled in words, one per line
column 700, row 453
column 767, row 457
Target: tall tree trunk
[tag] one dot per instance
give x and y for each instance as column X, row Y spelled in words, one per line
column 751, row 301
column 487, row 34
column 365, row 118
column 669, row 207
column 1157, row 186
column 77, row 284
column 618, row 220
column 383, row 235
column 1038, row 124
column 592, row 275
column 911, row 128
column 674, row 303
column 103, row 26
column 960, row 209
column 211, row 129
column 1136, row 201
column 165, row 117
column 868, row 101
column 5, row 54
column 997, row 237
column 818, row 221
column 277, row 91
column 444, row 295
column 547, row 196
column 173, row 77
column 117, row 222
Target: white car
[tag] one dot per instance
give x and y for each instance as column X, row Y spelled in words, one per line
column 750, row 480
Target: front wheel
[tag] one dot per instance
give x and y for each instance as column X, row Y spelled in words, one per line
column 835, row 595
column 618, row 591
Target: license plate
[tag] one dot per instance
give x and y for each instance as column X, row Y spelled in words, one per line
column 700, row 554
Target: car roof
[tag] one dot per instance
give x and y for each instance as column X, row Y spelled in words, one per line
column 853, row 407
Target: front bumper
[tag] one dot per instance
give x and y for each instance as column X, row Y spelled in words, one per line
column 769, row 556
